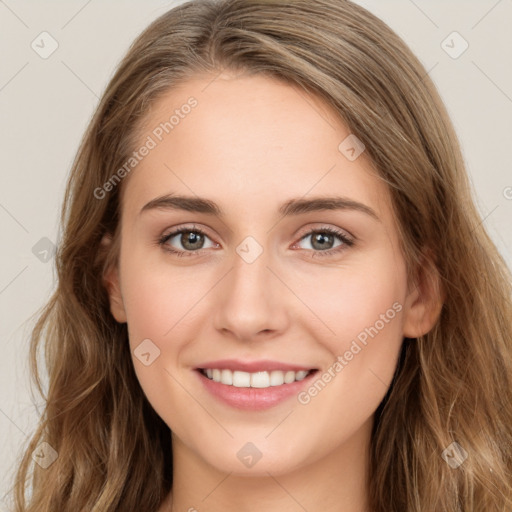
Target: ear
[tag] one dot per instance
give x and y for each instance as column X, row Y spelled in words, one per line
column 111, row 282
column 424, row 301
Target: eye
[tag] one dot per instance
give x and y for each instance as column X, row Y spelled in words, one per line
column 191, row 240
column 322, row 241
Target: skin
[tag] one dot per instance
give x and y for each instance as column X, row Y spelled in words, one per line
column 251, row 144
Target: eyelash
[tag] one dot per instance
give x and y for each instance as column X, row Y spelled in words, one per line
column 347, row 242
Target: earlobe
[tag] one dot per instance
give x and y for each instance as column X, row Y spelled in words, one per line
column 111, row 283
column 423, row 304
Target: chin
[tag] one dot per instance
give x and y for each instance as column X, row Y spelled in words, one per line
column 255, row 459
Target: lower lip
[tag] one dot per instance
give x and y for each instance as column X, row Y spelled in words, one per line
column 254, row 399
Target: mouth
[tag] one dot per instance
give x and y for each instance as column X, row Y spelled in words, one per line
column 254, row 386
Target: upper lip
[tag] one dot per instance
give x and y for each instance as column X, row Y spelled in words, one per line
column 252, row 366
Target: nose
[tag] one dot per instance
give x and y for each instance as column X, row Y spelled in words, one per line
column 251, row 301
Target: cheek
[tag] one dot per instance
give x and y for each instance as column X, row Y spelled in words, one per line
column 161, row 322
column 353, row 298
column 365, row 311
column 158, row 307
column 150, row 309
column 158, row 301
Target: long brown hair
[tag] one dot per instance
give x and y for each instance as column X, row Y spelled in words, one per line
column 451, row 385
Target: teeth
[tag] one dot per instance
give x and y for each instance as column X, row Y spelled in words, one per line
column 254, row 380
column 226, row 377
column 276, row 378
column 289, row 377
column 260, row 380
column 240, row 379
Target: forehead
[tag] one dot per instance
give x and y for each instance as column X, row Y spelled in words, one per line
column 247, row 139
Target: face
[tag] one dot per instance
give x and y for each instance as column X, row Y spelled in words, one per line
column 264, row 322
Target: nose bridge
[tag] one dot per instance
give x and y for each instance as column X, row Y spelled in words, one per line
column 250, row 281
column 250, row 274
column 250, row 298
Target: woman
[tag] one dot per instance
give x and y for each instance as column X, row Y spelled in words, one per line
column 274, row 290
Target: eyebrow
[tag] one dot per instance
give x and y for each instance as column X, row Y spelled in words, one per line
column 289, row 208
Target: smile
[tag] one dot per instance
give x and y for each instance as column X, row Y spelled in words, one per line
column 255, row 385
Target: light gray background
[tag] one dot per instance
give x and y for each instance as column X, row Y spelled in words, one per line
column 45, row 105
